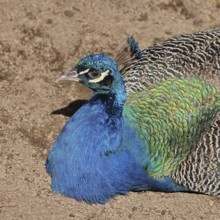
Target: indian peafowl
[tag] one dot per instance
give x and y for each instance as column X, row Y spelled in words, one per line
column 147, row 141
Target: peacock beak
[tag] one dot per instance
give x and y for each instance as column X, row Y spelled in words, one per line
column 70, row 75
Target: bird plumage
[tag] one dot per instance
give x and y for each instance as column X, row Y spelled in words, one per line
column 128, row 52
column 181, row 56
column 170, row 118
column 111, row 146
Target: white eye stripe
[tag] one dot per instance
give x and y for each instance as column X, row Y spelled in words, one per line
column 103, row 75
column 83, row 72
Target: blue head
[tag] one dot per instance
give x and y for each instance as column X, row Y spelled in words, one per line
column 98, row 72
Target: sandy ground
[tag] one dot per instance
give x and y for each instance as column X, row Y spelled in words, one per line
column 38, row 41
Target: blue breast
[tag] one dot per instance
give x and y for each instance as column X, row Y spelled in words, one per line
column 97, row 155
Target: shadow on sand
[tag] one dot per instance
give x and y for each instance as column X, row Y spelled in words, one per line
column 70, row 109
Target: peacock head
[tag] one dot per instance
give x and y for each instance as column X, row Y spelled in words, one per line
column 98, row 72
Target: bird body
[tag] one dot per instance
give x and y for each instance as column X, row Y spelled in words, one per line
column 184, row 56
column 112, row 146
column 88, row 161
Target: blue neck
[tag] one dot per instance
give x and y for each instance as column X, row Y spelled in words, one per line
column 113, row 98
column 101, row 120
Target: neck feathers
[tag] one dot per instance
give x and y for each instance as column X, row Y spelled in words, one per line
column 112, row 103
column 113, row 98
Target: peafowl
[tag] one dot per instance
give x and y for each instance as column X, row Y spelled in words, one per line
column 149, row 140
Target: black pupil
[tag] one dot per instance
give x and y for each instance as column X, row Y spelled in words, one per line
column 94, row 74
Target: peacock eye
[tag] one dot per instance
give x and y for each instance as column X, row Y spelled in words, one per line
column 94, row 74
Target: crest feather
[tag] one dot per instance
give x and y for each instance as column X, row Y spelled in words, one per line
column 129, row 51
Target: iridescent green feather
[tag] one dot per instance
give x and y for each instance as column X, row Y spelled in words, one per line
column 170, row 118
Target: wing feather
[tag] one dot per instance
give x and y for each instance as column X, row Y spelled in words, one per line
column 170, row 118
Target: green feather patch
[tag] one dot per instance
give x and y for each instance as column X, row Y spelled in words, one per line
column 170, row 118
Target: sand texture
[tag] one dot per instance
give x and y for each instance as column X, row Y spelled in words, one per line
column 38, row 41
